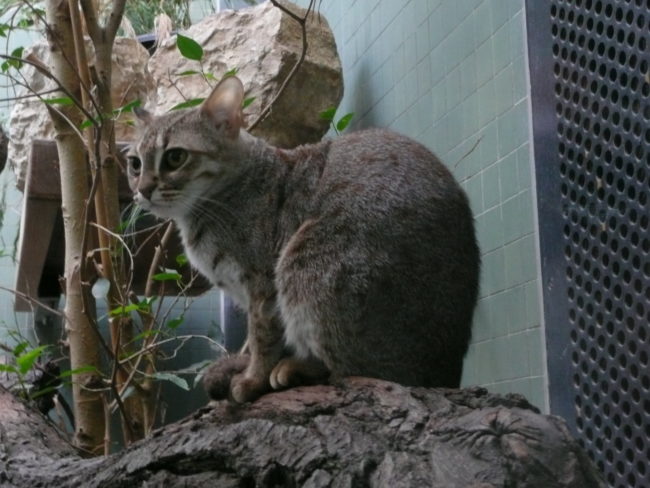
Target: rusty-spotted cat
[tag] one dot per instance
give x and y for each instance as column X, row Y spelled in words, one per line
column 352, row 256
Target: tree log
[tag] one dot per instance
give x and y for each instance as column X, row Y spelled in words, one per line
column 360, row 433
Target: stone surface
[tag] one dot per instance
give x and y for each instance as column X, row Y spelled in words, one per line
column 29, row 118
column 263, row 44
column 360, row 433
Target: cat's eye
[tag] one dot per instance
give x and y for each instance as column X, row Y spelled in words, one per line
column 134, row 164
column 174, row 158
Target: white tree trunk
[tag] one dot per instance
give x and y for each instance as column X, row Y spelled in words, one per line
column 83, row 340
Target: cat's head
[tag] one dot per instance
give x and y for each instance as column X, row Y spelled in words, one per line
column 181, row 156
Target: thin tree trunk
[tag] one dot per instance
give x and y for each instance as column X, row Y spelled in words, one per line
column 108, row 216
column 83, row 340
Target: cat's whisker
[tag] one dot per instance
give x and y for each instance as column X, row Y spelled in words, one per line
column 217, row 203
column 221, row 228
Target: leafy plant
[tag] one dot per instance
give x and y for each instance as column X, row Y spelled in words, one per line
column 337, row 126
column 120, row 373
column 22, row 360
column 192, row 50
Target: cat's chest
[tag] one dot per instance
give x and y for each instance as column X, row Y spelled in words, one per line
column 223, row 271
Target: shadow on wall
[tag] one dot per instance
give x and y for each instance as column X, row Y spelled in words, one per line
column 4, row 142
column 361, row 98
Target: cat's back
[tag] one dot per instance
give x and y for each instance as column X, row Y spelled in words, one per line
column 381, row 168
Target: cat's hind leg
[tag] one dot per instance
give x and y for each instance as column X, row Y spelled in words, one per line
column 304, row 275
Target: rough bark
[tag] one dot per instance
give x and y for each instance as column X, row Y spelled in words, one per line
column 361, row 433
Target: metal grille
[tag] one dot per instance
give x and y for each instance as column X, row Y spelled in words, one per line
column 602, row 84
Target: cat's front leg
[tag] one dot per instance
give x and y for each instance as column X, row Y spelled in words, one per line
column 265, row 347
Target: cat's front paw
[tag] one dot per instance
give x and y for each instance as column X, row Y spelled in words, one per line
column 293, row 372
column 246, row 389
column 219, row 375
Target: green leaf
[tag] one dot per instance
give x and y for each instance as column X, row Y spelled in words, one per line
column 127, row 108
column 8, row 368
column 189, row 72
column 189, row 48
column 20, row 348
column 85, row 124
column 247, row 102
column 177, row 380
column 42, row 392
column 344, row 122
column 83, row 369
column 174, row 323
column 328, row 114
column 16, row 53
column 230, row 72
column 193, row 102
column 59, row 101
column 181, row 260
column 144, row 334
column 123, row 310
column 167, row 276
column 26, row 361
column 24, row 23
column 147, row 302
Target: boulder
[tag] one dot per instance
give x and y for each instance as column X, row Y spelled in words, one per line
column 29, row 119
column 263, row 44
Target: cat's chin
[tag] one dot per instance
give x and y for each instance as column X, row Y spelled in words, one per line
column 162, row 212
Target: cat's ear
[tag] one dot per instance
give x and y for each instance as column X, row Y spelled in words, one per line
column 143, row 115
column 224, row 106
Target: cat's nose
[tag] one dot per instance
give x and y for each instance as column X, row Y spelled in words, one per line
column 146, row 190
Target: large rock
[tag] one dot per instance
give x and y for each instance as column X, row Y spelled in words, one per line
column 263, row 43
column 30, row 120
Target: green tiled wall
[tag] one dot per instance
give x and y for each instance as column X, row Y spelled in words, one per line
column 453, row 75
column 10, row 207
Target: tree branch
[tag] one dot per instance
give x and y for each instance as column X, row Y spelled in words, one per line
column 114, row 20
column 303, row 53
column 92, row 23
column 45, row 72
column 33, row 301
column 50, row 32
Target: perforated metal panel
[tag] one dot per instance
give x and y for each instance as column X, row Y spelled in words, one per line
column 599, row 287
